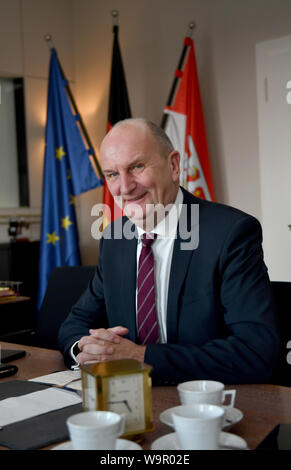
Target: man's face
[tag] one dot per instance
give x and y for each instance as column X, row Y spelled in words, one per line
column 137, row 175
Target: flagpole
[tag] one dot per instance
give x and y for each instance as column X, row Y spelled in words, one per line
column 191, row 27
column 48, row 39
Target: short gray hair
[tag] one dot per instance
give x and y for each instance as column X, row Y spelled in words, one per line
column 157, row 133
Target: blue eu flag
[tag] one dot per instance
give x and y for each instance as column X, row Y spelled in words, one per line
column 67, row 173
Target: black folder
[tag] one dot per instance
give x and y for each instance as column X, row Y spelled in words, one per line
column 39, row 431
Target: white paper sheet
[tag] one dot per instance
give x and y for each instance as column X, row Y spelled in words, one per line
column 70, row 378
column 16, row 409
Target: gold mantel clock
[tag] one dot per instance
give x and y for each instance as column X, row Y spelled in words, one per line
column 122, row 386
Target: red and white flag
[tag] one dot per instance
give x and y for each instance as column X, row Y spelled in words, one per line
column 183, row 122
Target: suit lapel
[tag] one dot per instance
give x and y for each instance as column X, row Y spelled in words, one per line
column 180, row 264
column 128, row 284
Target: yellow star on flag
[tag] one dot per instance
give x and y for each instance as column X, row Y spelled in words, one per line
column 52, row 238
column 69, row 175
column 72, row 199
column 60, row 153
column 66, row 222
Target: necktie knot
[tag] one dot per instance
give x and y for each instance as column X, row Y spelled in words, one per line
column 148, row 238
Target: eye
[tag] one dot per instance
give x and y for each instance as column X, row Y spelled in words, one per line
column 138, row 166
column 111, row 176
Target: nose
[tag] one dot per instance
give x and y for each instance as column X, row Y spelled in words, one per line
column 127, row 183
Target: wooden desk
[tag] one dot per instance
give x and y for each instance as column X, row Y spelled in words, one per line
column 19, row 298
column 263, row 406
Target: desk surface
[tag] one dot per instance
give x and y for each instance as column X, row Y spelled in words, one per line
column 263, row 405
column 19, row 298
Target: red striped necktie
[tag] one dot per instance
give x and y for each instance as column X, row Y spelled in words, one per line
column 147, row 323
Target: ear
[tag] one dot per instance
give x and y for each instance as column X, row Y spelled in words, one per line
column 174, row 161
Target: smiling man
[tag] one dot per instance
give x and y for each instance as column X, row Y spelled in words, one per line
column 202, row 312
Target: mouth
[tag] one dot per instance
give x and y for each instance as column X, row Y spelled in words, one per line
column 136, row 199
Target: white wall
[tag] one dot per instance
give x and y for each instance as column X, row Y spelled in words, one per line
column 237, row 27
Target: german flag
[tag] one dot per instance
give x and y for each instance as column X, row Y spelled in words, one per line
column 119, row 109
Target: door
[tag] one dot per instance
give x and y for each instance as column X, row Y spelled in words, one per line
column 273, row 60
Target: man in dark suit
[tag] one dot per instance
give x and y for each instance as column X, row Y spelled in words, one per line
column 213, row 304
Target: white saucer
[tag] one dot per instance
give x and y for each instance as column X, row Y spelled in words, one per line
column 121, row 444
column 227, row 441
column 231, row 417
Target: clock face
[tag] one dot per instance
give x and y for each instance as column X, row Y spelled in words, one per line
column 126, row 396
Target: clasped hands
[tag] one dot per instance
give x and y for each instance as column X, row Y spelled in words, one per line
column 108, row 345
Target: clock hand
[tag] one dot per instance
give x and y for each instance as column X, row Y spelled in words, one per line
column 120, row 401
column 127, row 404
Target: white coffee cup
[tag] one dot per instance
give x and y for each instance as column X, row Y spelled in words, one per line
column 204, row 391
column 198, row 427
column 95, row 430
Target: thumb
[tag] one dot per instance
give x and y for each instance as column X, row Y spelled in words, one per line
column 119, row 330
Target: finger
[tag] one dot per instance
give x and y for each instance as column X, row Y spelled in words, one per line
column 111, row 334
column 84, row 358
column 96, row 349
column 86, row 340
column 119, row 330
column 99, row 336
column 105, row 335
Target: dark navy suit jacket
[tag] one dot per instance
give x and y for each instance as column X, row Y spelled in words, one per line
column 221, row 321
